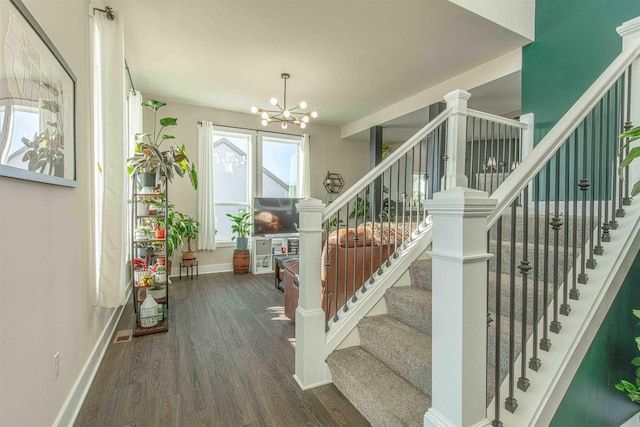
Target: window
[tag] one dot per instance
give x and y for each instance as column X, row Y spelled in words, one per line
column 280, row 165
column 21, row 120
column 250, row 164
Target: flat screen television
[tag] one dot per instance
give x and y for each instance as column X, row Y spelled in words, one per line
column 273, row 215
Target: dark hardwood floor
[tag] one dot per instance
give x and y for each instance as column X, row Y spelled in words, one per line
column 227, row 360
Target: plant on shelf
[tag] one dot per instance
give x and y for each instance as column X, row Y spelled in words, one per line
column 633, row 390
column 149, row 159
column 631, row 135
column 144, row 232
column 241, row 225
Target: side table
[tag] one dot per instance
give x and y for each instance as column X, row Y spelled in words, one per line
column 277, row 261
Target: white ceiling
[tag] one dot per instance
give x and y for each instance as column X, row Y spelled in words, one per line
column 501, row 97
column 347, row 58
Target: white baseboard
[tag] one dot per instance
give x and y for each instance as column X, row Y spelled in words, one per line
column 204, row 269
column 71, row 408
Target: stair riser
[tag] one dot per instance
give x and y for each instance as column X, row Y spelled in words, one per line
column 404, row 350
column 411, row 312
column 421, row 274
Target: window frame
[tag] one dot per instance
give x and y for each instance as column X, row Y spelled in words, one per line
column 254, row 165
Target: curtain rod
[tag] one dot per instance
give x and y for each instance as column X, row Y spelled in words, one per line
column 255, row 130
column 126, row 66
column 108, row 10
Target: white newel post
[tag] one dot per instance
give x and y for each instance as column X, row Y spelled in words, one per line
column 528, row 140
column 311, row 368
column 459, row 313
column 456, row 139
column 630, row 33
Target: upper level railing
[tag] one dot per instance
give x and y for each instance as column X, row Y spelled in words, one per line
column 367, row 226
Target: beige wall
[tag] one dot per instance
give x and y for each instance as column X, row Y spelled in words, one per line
column 328, row 152
column 46, row 279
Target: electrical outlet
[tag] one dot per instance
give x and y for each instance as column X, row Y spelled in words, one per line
column 56, row 365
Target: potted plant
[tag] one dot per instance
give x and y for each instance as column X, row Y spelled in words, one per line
column 632, row 389
column 242, row 227
column 187, row 228
column 149, row 162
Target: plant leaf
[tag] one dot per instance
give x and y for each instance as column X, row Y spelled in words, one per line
column 636, row 189
column 168, row 121
column 168, row 137
column 51, row 106
column 193, row 176
column 153, row 104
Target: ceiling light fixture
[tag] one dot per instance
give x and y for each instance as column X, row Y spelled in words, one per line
column 295, row 115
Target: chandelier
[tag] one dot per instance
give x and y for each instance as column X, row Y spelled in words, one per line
column 295, row 115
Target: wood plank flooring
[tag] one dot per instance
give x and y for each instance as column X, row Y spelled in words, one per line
column 227, row 360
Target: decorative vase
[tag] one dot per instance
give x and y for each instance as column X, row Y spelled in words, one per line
column 146, row 179
column 242, row 243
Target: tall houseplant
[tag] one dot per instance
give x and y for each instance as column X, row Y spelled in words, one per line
column 241, row 225
column 149, row 160
column 187, row 228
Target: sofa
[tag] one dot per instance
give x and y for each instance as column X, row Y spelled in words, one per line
column 349, row 257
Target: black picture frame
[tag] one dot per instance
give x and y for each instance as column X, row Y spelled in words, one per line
column 38, row 126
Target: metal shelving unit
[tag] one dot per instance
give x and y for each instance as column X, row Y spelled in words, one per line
column 139, row 291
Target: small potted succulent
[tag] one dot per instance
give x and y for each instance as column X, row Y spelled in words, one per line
column 160, row 275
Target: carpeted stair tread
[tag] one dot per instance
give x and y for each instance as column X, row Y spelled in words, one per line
column 505, row 265
column 519, row 230
column 506, row 292
column 420, row 271
column 381, row 396
column 504, row 341
column 411, row 306
column 403, row 349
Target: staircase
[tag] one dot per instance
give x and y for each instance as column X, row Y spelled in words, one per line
column 395, row 348
column 548, row 229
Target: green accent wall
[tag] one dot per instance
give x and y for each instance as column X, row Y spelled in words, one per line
column 575, row 41
column 591, row 399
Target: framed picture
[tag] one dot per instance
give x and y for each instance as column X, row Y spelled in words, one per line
column 37, row 102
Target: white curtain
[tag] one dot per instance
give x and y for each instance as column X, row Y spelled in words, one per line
column 135, row 119
column 305, row 171
column 134, row 126
column 110, row 149
column 206, row 212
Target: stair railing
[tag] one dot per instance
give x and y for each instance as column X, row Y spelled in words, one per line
column 370, row 226
column 570, row 197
